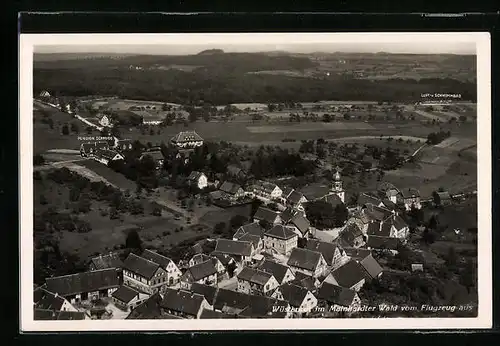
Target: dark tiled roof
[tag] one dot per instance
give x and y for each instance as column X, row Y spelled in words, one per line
column 182, row 301
column 334, row 294
column 254, row 239
column 356, row 253
column 186, row 136
column 156, row 258
column 304, row 258
column 47, row 300
column 399, row 223
column 287, row 191
column 305, row 281
column 148, row 310
column 231, row 299
column 349, row 274
column 377, row 242
column 365, row 198
column 107, row 154
column 265, row 186
column 377, row 213
column 371, row 266
column 410, row 193
column 444, row 195
column 155, row 155
column 266, row 214
column 325, row 248
column 281, row 232
column 200, row 258
column 209, row 292
column 140, row 266
column 202, row 270
column 44, row 314
column 254, row 276
column 313, row 192
column 233, row 247
column 293, row 294
column 111, row 260
column 295, row 197
column 373, row 228
column 278, row 270
column 230, row 188
column 211, row 314
column 351, row 233
column 253, row 228
column 83, row 282
column 301, row 223
column 125, row 294
column 262, row 307
column 287, row 214
column 195, row 175
column 223, row 258
column 332, row 199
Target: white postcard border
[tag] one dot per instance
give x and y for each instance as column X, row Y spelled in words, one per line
column 484, row 319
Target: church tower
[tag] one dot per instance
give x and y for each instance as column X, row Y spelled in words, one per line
column 337, row 185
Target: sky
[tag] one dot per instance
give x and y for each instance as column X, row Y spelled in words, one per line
column 445, row 47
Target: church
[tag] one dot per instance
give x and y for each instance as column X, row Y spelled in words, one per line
column 336, row 195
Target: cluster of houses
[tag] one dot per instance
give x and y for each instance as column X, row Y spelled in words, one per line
column 272, row 267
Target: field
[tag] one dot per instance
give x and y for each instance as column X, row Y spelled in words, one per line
column 107, row 173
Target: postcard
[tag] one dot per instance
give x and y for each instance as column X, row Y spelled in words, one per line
column 298, row 181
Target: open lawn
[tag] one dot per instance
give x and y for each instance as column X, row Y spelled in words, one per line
column 212, row 218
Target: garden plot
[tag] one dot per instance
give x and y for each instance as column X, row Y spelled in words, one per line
column 456, row 144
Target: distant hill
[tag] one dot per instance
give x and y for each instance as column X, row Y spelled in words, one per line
column 76, row 56
column 211, row 52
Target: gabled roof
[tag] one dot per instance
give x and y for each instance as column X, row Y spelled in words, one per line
column 182, row 301
column 304, row 259
column 294, row 197
column 349, row 274
column 350, row 233
column 277, row 269
column 260, row 306
column 287, row 191
column 202, row 270
column 325, row 248
column 140, row 266
column 254, row 276
column 377, row 213
column 229, row 187
column 155, row 257
column 265, row 186
column 410, row 193
column 233, row 247
column 280, row 232
column 398, row 222
column 305, row 281
column 253, row 228
column 186, row 136
column 148, row 310
column 83, row 282
column 195, row 175
column 444, row 195
column 357, row 253
column 125, row 294
column 376, row 242
column 155, row 155
column 211, row 314
column 234, row 170
column 200, row 258
column 334, row 294
column 293, row 294
column 365, row 198
column 223, row 258
column 373, row 228
column 301, row 223
column 44, row 314
column 111, row 260
column 231, row 299
column 47, row 300
column 254, row 239
column 207, row 291
column 388, row 204
column 287, row 214
column 266, row 214
column 107, row 154
column 371, row 266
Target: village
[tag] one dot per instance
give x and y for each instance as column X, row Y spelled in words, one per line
column 302, row 254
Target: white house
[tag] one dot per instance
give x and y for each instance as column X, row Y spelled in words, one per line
column 281, row 239
column 254, row 281
column 104, row 120
column 128, row 298
column 201, row 273
column 301, row 300
column 198, row 179
column 173, row 273
column 86, row 286
column 334, row 255
column 309, row 262
column 143, row 275
column 266, row 190
column 187, row 139
column 393, row 227
column 45, row 300
column 106, row 156
column 281, row 272
column 411, row 198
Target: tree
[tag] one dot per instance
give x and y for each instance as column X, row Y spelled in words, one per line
column 133, row 241
column 433, row 222
column 468, row 276
column 436, row 198
column 38, row 160
column 428, row 236
column 237, row 221
column 43, row 200
column 341, row 214
column 347, row 116
column 327, row 118
column 220, row 227
column 65, row 129
column 156, row 211
column 321, row 214
column 75, row 128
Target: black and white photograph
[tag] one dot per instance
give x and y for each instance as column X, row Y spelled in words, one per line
column 282, row 181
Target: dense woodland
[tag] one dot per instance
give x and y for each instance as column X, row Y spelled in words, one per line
column 220, row 79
